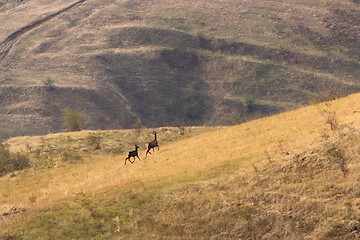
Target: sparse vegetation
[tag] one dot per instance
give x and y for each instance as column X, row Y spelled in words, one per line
column 10, row 162
column 180, row 124
column 192, row 106
column 94, row 140
column 248, row 101
column 49, row 83
column 337, row 156
column 137, row 125
column 330, row 117
column 70, row 156
column 323, row 96
column 331, row 120
column 73, row 120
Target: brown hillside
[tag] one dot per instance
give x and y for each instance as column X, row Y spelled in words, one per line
column 159, row 61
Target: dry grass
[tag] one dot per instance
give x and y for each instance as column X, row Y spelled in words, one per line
column 105, row 165
column 283, row 177
column 242, row 181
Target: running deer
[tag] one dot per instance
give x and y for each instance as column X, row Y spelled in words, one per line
column 152, row 145
column 133, row 154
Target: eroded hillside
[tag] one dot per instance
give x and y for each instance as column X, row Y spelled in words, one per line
column 200, row 62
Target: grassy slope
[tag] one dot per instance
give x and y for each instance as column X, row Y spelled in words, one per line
column 275, row 178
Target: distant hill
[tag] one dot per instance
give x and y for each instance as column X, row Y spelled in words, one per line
column 195, row 62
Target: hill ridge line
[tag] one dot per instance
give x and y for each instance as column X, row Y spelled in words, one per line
column 7, row 44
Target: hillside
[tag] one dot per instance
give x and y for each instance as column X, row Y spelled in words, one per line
column 201, row 62
column 287, row 176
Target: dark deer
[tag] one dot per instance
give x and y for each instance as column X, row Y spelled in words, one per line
column 152, row 145
column 133, row 154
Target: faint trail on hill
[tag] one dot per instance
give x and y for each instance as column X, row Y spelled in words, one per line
column 7, row 44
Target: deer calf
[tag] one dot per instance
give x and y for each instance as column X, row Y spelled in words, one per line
column 133, row 154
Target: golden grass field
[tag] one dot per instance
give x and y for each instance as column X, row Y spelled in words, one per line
column 272, row 178
column 288, row 176
column 124, row 54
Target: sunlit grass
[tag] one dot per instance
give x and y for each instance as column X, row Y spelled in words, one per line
column 101, row 197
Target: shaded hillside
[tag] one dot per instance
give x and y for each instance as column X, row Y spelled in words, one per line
column 290, row 176
column 162, row 61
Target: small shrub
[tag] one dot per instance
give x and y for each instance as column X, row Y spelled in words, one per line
column 10, row 162
column 337, row 232
column 20, row 161
column 73, row 120
column 323, row 96
column 182, row 130
column 350, row 210
column 137, row 125
column 234, row 121
column 220, row 43
column 256, row 169
column 94, row 140
column 180, row 125
column 49, row 83
column 337, row 156
column 119, row 149
column 32, row 198
column 268, row 156
column 247, row 214
column 248, row 101
column 70, row 157
column 330, row 118
column 192, row 105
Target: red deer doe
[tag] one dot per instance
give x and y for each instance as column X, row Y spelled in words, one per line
column 152, row 145
column 133, row 154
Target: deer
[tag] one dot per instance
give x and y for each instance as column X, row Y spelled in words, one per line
column 133, row 154
column 152, row 145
